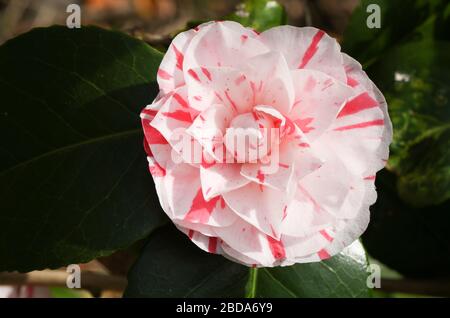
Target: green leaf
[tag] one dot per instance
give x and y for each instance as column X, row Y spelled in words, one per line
column 425, row 176
column 398, row 20
column 74, row 182
column 171, row 266
column 414, row 78
column 259, row 14
column 412, row 241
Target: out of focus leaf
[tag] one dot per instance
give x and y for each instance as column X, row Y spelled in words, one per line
column 414, row 78
column 398, row 20
column 259, row 14
column 412, row 241
column 74, row 181
column 170, row 257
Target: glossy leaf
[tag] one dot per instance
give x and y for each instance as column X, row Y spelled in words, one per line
column 259, row 14
column 169, row 257
column 414, row 78
column 398, row 19
column 74, row 183
column 413, row 241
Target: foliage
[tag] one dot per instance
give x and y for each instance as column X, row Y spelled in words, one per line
column 259, row 14
column 74, row 184
column 73, row 176
column 409, row 59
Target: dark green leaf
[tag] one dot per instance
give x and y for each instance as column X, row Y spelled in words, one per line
column 74, row 182
column 172, row 266
column 259, row 14
column 414, row 78
column 398, row 20
column 413, row 241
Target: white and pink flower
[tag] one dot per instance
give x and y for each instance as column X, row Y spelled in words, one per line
column 334, row 134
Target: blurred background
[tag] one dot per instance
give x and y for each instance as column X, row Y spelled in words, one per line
column 408, row 58
column 156, row 20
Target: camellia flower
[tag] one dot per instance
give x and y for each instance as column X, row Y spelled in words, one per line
column 305, row 194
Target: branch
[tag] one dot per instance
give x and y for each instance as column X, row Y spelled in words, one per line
column 89, row 280
column 439, row 288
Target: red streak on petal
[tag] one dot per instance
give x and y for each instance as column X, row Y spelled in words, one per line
column 260, row 176
column 153, row 136
column 198, row 98
column 147, row 149
column 357, row 104
column 149, row 112
column 157, row 171
column 323, row 254
column 207, row 73
column 370, row 178
column 194, row 75
column 326, row 235
column 179, row 57
column 218, row 96
column 378, row 122
column 303, row 124
column 312, row 49
column 284, row 212
column 191, row 234
column 276, row 247
column 163, row 74
column 244, row 38
column 303, row 145
column 179, row 115
column 240, row 79
column 201, row 209
column 222, row 203
column 282, row 165
column 231, row 101
column 352, row 82
column 212, row 245
column 327, row 84
column 207, row 163
column 273, row 231
column 181, row 100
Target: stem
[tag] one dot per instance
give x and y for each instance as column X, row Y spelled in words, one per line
column 89, row 280
column 251, row 284
column 419, row 287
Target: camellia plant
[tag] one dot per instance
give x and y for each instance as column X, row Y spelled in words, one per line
column 86, row 113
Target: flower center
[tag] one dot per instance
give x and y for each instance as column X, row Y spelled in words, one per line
column 248, row 137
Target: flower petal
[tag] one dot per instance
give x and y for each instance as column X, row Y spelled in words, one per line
column 219, row 85
column 307, row 48
column 219, row 43
column 318, row 99
column 170, row 73
column 270, row 80
column 260, row 206
column 220, row 179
